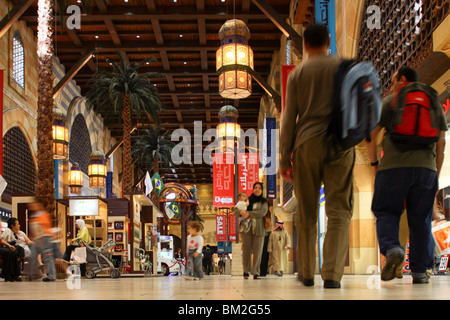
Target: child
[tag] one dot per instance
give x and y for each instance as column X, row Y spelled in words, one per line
column 241, row 205
column 194, row 251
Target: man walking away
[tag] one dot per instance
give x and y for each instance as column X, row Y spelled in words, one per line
column 407, row 175
column 305, row 121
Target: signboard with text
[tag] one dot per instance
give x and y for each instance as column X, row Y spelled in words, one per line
column 223, row 180
column 248, row 172
column 221, row 228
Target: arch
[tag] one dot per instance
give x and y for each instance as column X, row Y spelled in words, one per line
column 80, row 147
column 19, row 169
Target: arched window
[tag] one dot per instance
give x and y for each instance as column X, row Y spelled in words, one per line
column 80, row 143
column 19, row 170
column 18, row 60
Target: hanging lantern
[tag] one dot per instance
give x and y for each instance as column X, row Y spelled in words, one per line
column 60, row 136
column 75, row 179
column 234, row 60
column 228, row 129
column 97, row 170
column 228, row 126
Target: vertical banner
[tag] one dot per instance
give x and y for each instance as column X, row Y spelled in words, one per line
column 231, row 227
column 326, row 14
column 109, row 183
column 2, row 74
column 271, row 126
column 285, row 71
column 248, row 172
column 221, row 228
column 223, row 180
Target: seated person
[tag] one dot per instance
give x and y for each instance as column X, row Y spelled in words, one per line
column 82, row 235
column 13, row 235
column 10, row 265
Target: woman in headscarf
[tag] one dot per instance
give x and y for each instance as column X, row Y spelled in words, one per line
column 253, row 240
column 82, row 235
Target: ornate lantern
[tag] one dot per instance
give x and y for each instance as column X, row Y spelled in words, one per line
column 75, row 178
column 234, row 60
column 60, row 136
column 97, row 170
column 228, row 129
column 228, row 126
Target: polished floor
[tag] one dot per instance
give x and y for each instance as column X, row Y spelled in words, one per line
column 223, row 288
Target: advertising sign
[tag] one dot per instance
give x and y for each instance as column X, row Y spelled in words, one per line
column 231, row 227
column 223, row 181
column 221, row 228
column 248, row 172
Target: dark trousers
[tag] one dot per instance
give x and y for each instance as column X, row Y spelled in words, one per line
column 413, row 189
column 10, row 264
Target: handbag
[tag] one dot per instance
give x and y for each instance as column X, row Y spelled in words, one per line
column 78, row 255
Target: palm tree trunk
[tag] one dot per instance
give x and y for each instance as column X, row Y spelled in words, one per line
column 46, row 170
column 126, row 157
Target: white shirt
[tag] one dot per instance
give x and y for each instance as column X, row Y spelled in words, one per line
column 195, row 243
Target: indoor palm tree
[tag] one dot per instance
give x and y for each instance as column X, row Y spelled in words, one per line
column 126, row 93
column 46, row 170
column 153, row 149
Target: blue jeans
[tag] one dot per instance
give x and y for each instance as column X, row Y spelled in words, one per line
column 45, row 247
column 194, row 265
column 413, row 189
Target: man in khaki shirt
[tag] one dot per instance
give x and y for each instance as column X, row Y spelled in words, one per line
column 303, row 134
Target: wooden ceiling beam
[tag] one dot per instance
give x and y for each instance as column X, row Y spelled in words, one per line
column 13, row 15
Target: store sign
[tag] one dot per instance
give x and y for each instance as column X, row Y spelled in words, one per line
column 248, row 172
column 223, row 180
column 83, row 207
column 271, row 126
column 221, row 228
column 5, row 214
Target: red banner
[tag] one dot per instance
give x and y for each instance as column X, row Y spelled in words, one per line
column 248, row 172
column 231, row 227
column 221, row 228
column 285, row 71
column 223, row 180
column 2, row 73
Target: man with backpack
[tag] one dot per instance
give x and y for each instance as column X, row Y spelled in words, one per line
column 407, row 173
column 305, row 122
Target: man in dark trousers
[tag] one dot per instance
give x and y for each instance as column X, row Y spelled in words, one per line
column 406, row 176
column 207, row 259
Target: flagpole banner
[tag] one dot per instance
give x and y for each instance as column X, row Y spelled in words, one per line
column 285, row 72
column 2, row 74
column 248, row 172
column 326, row 15
column 223, row 181
column 271, row 126
column 231, row 227
column 158, row 184
column 221, row 228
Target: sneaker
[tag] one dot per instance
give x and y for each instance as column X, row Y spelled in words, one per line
column 394, row 258
column 188, row 277
column 420, row 278
column 47, row 279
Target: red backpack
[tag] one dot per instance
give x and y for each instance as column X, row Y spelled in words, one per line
column 415, row 115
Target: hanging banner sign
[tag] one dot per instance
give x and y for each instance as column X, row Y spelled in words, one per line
column 221, row 228
column 223, row 180
column 326, row 15
column 231, row 227
column 248, row 172
column 2, row 74
column 285, row 72
column 271, row 126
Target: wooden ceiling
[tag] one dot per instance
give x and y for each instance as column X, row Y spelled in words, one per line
column 182, row 36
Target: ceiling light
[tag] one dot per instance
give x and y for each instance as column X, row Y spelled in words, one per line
column 138, row 36
column 181, row 36
column 96, row 37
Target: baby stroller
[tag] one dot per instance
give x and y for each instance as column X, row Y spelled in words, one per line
column 98, row 260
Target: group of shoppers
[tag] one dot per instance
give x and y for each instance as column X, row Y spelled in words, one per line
column 42, row 250
column 406, row 176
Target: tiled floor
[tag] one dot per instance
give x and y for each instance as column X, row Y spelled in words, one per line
column 226, row 288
